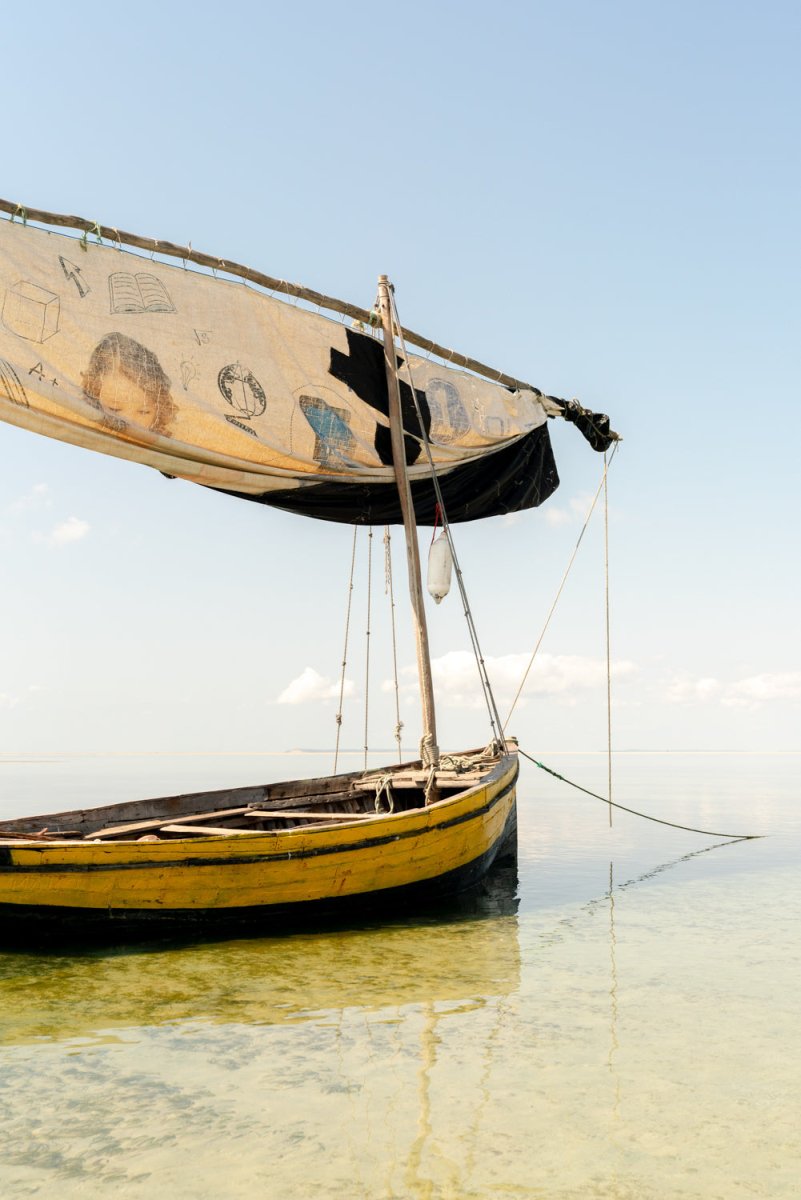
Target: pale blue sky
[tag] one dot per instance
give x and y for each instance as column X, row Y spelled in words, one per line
column 600, row 198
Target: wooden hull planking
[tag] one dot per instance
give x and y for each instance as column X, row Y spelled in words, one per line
column 365, row 861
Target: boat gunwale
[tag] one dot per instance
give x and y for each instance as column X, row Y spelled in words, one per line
column 419, row 817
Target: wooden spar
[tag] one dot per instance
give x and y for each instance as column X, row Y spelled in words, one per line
column 187, row 254
column 429, row 751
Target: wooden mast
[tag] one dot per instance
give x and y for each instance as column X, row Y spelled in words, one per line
column 429, row 750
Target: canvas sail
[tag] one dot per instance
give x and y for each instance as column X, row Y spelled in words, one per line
column 215, row 382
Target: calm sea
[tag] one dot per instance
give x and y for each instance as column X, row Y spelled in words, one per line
column 619, row 1018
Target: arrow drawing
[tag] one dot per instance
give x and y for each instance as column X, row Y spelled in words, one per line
column 74, row 273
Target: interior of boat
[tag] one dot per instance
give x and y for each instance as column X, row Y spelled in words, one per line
column 310, row 803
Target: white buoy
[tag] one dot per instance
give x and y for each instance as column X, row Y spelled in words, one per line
column 440, row 564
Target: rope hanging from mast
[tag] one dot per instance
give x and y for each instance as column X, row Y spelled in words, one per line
column 345, row 650
column 608, row 642
column 489, row 698
column 388, row 590
column 367, row 641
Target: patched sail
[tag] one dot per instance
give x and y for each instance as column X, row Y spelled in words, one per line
column 216, row 382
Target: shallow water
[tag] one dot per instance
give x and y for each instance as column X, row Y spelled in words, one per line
column 619, row 1021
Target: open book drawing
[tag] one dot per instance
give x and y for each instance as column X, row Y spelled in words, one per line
column 138, row 293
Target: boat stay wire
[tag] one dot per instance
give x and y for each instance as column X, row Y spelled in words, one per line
column 735, row 837
column 559, row 590
column 608, row 641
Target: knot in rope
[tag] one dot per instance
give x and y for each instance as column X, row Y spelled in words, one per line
column 383, row 787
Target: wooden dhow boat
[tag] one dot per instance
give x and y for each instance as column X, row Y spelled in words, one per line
column 283, row 406
column 296, row 849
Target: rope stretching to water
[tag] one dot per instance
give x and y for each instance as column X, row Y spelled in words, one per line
column 737, row 837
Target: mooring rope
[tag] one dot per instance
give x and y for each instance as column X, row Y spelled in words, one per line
column 736, row 837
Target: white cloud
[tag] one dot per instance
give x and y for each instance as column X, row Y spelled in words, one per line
column 683, row 690
column 8, row 700
column 574, row 511
column 71, row 530
column 756, row 690
column 557, row 516
column 751, row 692
column 562, row 676
column 38, row 497
column 311, row 685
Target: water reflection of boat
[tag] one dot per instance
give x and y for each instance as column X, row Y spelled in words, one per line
column 467, row 953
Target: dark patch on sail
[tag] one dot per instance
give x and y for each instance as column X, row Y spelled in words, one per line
column 363, row 370
column 593, row 426
column 518, row 476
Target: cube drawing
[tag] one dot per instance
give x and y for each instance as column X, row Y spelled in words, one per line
column 31, row 311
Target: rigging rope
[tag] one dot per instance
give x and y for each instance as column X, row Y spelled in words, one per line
column 367, row 640
column 492, row 709
column 345, row 650
column 608, row 644
column 561, row 587
column 737, row 837
column 389, row 591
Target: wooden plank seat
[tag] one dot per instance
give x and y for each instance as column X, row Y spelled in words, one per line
column 224, row 831
column 168, row 823
column 154, row 823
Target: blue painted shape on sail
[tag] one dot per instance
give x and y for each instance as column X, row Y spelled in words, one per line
column 333, row 437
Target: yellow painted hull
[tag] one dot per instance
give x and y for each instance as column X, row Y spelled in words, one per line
column 439, row 848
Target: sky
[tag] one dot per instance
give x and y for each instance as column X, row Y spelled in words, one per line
column 599, row 198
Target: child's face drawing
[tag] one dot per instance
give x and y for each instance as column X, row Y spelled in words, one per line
column 120, row 395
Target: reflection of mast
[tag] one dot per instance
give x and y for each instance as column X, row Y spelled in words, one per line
column 415, row 1185
column 426, row 1188
column 427, row 1151
column 614, row 1045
